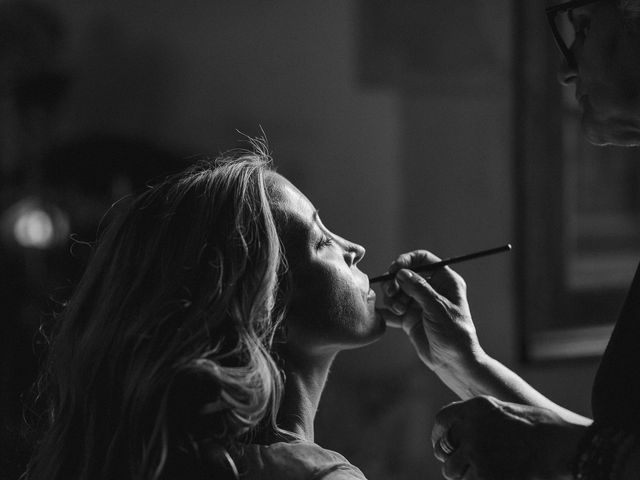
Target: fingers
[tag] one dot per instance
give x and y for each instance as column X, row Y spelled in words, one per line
column 418, row 289
column 455, row 466
column 445, row 445
column 445, row 419
column 397, row 303
column 406, row 321
column 391, row 319
column 407, row 260
column 413, row 259
column 446, row 441
column 444, row 280
column 448, row 450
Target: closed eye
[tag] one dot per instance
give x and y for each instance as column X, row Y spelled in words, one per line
column 324, row 242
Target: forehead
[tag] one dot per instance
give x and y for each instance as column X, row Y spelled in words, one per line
column 294, row 213
column 285, row 196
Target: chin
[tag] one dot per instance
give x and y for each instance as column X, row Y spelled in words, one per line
column 610, row 130
column 600, row 136
column 603, row 138
column 370, row 329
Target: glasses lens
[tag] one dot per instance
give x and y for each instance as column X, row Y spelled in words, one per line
column 565, row 28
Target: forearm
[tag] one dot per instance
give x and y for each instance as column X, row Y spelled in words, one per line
column 486, row 376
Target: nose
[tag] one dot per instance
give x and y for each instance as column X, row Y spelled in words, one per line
column 354, row 253
column 568, row 72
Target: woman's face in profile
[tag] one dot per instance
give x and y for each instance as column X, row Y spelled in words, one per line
column 331, row 305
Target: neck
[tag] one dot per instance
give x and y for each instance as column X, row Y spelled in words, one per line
column 306, row 376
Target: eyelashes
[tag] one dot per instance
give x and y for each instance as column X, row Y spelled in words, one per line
column 324, row 242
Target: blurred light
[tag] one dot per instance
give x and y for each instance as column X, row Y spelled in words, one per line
column 34, row 229
column 32, row 223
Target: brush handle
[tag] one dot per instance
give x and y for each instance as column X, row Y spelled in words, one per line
column 446, row 261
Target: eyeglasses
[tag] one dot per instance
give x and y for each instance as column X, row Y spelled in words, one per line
column 561, row 31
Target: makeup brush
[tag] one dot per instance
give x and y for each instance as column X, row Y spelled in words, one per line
column 446, row 261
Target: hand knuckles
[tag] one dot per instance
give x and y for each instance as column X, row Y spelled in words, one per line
column 438, row 427
column 421, row 282
column 404, row 259
column 457, row 278
column 413, row 258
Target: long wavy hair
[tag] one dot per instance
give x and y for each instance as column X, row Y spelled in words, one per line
column 168, row 336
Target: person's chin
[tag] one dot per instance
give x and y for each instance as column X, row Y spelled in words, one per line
column 602, row 134
column 375, row 324
column 379, row 326
column 595, row 136
column 370, row 329
column 612, row 129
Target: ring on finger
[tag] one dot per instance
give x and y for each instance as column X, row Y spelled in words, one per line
column 446, row 445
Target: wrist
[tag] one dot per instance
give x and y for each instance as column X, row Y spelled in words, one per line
column 466, row 365
column 464, row 373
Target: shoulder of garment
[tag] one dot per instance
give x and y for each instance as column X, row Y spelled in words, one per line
column 296, row 460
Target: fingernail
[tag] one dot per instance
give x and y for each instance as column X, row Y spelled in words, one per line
column 399, row 308
column 404, row 275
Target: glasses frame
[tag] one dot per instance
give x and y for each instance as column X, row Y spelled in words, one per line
column 552, row 13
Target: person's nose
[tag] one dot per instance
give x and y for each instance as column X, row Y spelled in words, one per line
column 354, row 253
column 568, row 72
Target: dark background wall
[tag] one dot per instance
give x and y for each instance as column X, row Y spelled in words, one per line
column 401, row 144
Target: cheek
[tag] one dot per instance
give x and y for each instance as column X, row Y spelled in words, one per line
column 610, row 71
column 326, row 304
column 323, row 292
